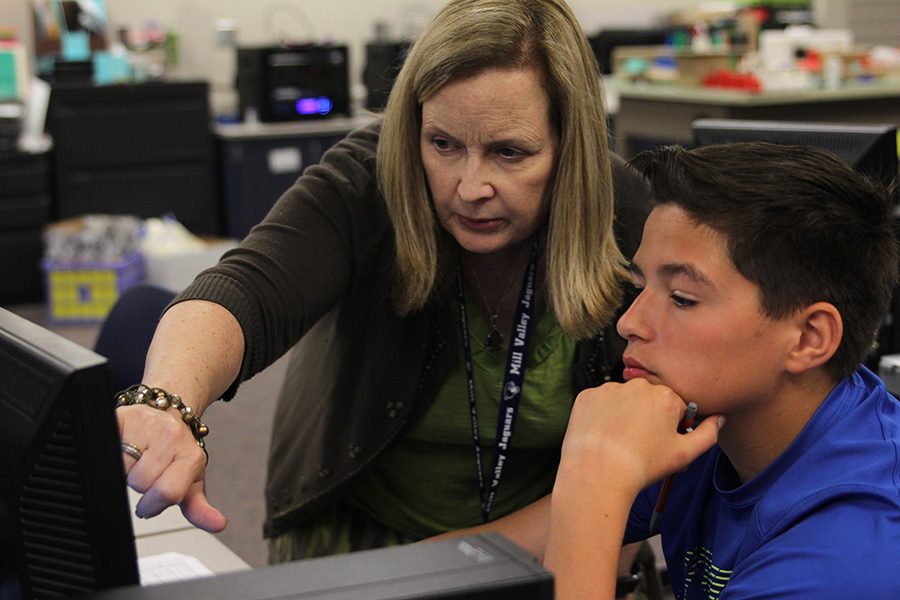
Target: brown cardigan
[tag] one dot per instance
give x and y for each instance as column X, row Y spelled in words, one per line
column 360, row 375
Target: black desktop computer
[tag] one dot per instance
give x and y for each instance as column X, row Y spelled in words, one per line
column 65, row 528
column 479, row 567
column 383, row 62
column 293, row 83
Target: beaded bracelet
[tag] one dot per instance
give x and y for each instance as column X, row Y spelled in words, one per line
column 160, row 399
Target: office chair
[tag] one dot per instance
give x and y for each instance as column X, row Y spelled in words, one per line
column 126, row 332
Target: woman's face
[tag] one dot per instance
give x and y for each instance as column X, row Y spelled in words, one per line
column 489, row 151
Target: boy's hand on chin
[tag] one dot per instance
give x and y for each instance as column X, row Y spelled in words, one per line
column 632, row 429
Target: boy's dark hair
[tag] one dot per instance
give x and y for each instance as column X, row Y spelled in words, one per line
column 799, row 223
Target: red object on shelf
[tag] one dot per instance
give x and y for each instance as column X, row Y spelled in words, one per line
column 723, row 78
column 812, row 62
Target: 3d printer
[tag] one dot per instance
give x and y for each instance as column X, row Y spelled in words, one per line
column 293, row 83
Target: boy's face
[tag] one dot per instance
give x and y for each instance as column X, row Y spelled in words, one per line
column 697, row 325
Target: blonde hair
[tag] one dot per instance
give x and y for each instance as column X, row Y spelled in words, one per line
column 583, row 265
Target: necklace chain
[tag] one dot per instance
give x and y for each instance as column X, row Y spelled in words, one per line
column 494, row 338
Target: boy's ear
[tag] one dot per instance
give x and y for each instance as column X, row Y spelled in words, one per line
column 821, row 330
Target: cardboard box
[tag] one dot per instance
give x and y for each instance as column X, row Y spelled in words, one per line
column 685, row 68
column 176, row 270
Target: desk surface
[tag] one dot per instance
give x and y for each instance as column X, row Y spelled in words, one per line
column 203, row 546
column 171, row 532
column 290, row 129
column 653, row 115
column 713, row 96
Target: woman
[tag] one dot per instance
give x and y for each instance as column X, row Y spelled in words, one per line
column 462, row 245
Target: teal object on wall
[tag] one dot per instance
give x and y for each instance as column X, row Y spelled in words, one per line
column 110, row 67
column 76, row 45
column 8, row 86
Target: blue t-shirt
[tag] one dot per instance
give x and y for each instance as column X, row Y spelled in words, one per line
column 822, row 521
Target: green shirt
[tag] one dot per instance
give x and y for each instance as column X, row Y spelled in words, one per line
column 426, row 483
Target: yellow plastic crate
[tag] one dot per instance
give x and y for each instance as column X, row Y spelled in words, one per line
column 85, row 292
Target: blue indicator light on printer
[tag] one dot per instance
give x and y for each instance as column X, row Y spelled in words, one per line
column 311, row 106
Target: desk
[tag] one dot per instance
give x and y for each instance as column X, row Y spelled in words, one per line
column 260, row 161
column 649, row 115
column 171, row 532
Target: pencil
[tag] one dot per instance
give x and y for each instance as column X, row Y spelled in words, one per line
column 686, row 426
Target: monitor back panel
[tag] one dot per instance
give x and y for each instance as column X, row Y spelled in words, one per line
column 474, row 568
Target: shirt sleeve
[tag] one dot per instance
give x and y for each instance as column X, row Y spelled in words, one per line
column 299, row 261
column 638, row 526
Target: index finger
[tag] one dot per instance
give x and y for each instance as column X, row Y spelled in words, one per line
column 164, row 480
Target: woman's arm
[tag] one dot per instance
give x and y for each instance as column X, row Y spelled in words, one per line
column 196, row 353
column 288, row 272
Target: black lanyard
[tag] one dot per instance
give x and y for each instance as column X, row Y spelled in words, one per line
column 512, row 383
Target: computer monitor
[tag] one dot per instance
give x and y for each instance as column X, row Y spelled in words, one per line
column 870, row 149
column 606, row 40
column 65, row 525
column 475, row 567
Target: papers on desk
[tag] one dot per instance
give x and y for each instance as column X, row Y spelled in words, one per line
column 170, row 566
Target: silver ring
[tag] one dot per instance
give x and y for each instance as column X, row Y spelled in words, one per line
column 131, row 450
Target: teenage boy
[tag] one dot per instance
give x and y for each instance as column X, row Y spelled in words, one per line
column 764, row 273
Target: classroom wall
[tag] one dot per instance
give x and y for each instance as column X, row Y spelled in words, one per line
column 351, row 22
